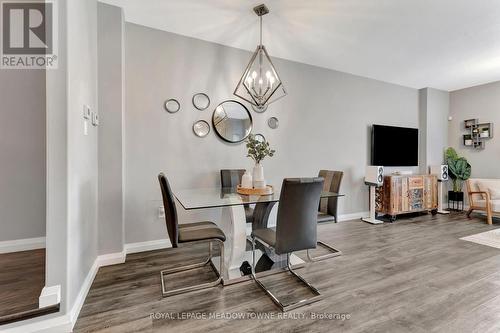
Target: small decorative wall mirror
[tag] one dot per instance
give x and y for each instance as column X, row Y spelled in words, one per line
column 232, row 121
column 259, row 137
column 172, row 105
column 273, row 122
column 201, row 128
column 201, row 101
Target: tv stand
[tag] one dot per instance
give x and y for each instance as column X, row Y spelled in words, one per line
column 407, row 194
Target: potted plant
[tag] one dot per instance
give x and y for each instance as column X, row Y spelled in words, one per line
column 459, row 171
column 257, row 151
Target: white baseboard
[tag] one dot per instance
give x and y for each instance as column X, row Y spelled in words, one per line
column 353, row 216
column 58, row 324
column 111, row 259
column 84, row 290
column 22, row 245
column 147, row 246
column 49, row 296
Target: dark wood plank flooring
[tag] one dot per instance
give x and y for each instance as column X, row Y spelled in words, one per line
column 414, row 275
column 22, row 278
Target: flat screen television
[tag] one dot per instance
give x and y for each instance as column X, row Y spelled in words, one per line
column 394, row 146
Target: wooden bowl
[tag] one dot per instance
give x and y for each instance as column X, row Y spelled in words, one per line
column 255, row 191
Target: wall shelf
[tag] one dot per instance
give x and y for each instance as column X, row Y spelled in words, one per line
column 478, row 133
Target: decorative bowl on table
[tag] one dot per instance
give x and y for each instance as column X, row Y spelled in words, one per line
column 255, row 191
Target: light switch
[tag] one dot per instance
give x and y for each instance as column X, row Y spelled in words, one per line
column 86, row 111
column 95, row 119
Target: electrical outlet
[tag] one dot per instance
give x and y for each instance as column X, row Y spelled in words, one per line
column 161, row 212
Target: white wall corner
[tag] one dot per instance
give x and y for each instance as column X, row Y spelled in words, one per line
column 49, row 296
column 147, row 246
column 22, row 245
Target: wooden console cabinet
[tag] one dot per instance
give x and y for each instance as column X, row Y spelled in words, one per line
column 407, row 194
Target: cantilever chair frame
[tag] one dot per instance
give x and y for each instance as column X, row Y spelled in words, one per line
column 219, row 280
column 333, row 252
column 294, row 305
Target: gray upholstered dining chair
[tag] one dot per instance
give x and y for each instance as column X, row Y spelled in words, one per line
column 231, row 178
column 296, row 229
column 198, row 232
column 327, row 210
column 328, row 206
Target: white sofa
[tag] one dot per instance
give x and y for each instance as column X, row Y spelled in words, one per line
column 484, row 195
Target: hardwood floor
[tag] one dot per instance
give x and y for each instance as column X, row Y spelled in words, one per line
column 22, row 277
column 414, row 275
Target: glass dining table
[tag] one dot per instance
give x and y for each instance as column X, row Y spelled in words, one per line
column 237, row 249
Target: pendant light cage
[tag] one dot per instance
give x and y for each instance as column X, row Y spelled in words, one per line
column 260, row 83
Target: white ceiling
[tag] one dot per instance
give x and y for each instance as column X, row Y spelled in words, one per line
column 444, row 44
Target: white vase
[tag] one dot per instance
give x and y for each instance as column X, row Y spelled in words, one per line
column 246, row 180
column 258, row 176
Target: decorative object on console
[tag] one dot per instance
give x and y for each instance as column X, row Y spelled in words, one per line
column 172, row 105
column 201, row 101
column 273, row 122
column 232, row 121
column 441, row 172
column 459, row 170
column 260, row 84
column 257, row 151
column 407, row 194
column 201, row 128
column 478, row 132
column 374, row 177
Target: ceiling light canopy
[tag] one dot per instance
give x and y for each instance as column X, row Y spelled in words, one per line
column 260, row 84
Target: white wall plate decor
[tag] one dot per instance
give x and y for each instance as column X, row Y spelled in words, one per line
column 273, row 122
column 201, row 101
column 172, row 105
column 259, row 137
column 201, row 128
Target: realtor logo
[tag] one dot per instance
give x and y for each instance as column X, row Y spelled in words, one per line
column 28, row 34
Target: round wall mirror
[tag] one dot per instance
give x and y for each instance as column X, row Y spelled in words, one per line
column 201, row 101
column 273, row 122
column 201, row 128
column 172, row 105
column 232, row 121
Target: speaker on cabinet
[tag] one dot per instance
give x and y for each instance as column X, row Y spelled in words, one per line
column 374, row 175
column 441, row 171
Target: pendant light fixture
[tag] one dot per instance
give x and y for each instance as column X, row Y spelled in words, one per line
column 260, row 83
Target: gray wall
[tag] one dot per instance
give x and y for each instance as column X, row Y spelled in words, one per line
column 82, row 149
column 482, row 102
column 111, row 104
column 434, row 106
column 22, row 154
column 324, row 123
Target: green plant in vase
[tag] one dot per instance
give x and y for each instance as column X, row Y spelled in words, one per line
column 257, row 151
column 459, row 171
